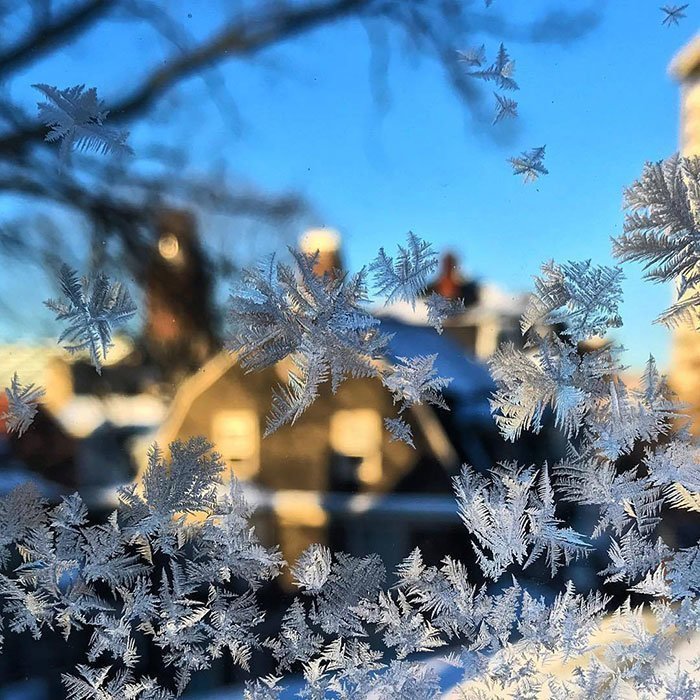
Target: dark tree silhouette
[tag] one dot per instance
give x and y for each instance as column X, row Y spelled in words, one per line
column 119, row 199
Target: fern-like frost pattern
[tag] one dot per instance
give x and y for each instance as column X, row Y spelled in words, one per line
column 91, row 310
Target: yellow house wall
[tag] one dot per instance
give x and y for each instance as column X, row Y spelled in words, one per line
column 684, row 374
column 296, row 457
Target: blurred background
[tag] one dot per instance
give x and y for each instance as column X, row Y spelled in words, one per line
column 334, row 125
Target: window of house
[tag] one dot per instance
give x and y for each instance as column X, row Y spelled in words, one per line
column 356, row 439
column 236, row 435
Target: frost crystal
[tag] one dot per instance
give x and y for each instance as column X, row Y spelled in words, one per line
column 321, row 324
column 415, row 381
column 441, row 308
column 582, row 297
column 281, row 311
column 673, row 14
column 313, row 568
column 512, row 517
column 75, row 117
column 94, row 307
column 405, row 277
column 400, row 430
column 529, row 164
column 505, row 108
column 661, row 230
column 473, row 57
column 500, row 71
column 188, row 586
column 21, row 405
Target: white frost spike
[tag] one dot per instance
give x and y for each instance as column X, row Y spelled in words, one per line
column 441, row 308
column 312, row 568
column 500, row 71
column 505, row 108
column 21, row 405
column 661, row 231
column 319, row 322
column 512, row 518
column 400, row 430
column 405, row 277
column 653, row 584
column 582, row 297
column 529, row 164
column 75, row 117
column 415, row 381
column 94, row 307
column 473, row 57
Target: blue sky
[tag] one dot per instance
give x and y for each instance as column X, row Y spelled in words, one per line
column 603, row 105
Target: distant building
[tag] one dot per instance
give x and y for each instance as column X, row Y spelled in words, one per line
column 335, row 476
column 684, row 374
column 338, row 446
column 491, row 314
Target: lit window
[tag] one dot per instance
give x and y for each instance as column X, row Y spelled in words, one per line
column 357, row 434
column 236, row 436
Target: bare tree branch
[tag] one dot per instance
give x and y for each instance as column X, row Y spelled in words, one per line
column 47, row 37
column 121, row 203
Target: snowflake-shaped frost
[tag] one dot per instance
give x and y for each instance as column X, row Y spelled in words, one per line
column 441, row 308
column 505, row 108
column 415, row 381
column 21, row 405
column 473, row 57
column 500, row 71
column 75, row 117
column 529, row 164
column 399, row 430
column 94, row 307
column 673, row 14
column 405, row 277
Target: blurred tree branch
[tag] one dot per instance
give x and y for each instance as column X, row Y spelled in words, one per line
column 118, row 200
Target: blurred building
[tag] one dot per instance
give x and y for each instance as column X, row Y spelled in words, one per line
column 337, row 462
column 684, row 374
column 491, row 314
column 334, row 476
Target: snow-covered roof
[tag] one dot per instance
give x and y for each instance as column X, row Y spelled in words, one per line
column 494, row 302
column 471, row 381
column 81, row 415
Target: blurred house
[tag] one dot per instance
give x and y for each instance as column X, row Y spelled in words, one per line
column 335, row 475
column 684, row 374
column 83, row 434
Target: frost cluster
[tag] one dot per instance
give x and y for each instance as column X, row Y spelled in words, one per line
column 179, row 566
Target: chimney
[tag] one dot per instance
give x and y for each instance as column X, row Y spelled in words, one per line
column 325, row 241
column 452, row 284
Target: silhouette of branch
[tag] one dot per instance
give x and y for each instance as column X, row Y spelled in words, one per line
column 46, row 37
